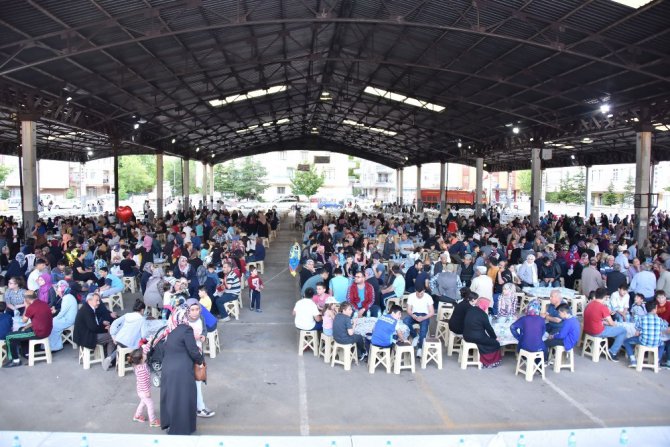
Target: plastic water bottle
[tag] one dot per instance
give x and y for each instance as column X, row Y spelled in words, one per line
column 521, row 442
column 16, row 442
column 368, row 313
column 333, row 443
column 84, row 441
column 623, row 437
column 461, row 442
column 572, row 439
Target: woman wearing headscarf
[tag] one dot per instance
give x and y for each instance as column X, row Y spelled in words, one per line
column 147, row 251
column 477, row 329
column 46, row 290
column 507, row 301
column 65, row 317
column 197, row 323
column 17, row 267
column 529, row 329
column 147, row 271
column 153, row 291
column 185, row 270
column 178, row 389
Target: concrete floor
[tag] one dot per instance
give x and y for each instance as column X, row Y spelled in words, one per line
column 258, row 385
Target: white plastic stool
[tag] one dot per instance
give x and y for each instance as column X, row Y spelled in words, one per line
column 34, row 356
column 526, row 363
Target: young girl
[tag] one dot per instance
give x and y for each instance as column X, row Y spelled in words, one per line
column 255, row 286
column 329, row 313
column 139, row 361
column 638, row 309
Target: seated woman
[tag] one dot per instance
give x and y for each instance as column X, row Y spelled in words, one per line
column 507, row 302
column 65, row 310
column 529, row 329
column 478, row 330
column 14, row 294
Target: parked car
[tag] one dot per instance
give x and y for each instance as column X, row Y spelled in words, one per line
column 67, row 204
column 14, row 203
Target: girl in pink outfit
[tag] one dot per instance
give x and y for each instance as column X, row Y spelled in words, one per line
column 139, row 361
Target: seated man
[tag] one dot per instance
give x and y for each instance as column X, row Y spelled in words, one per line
column 40, row 325
column 113, row 283
column 405, row 245
column 411, row 274
column 386, row 332
column 599, row 323
column 648, row 333
column 343, row 330
column 618, row 303
column 91, row 330
column 397, row 288
column 549, row 273
column 307, row 315
column 361, row 295
column 339, row 285
column 311, row 282
column 568, row 336
column 551, row 316
column 419, row 310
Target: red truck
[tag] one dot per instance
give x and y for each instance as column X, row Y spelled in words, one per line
column 453, row 197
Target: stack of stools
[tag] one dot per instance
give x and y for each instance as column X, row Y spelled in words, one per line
column 432, row 351
column 404, row 357
column 379, row 356
column 308, row 339
column 529, row 363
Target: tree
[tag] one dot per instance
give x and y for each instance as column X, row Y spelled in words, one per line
column 135, row 176
column 629, row 191
column 246, row 182
column 307, row 183
column 4, row 172
column 570, row 190
column 610, row 198
column 523, row 181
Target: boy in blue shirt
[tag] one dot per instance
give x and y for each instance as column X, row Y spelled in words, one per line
column 386, row 331
column 5, row 321
column 568, row 336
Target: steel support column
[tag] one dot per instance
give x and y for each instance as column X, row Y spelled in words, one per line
column 204, row 190
column 29, row 193
column 419, row 204
column 115, row 147
column 159, row 185
column 642, row 181
column 443, row 187
column 535, row 185
column 479, row 186
column 587, row 193
column 185, row 184
column 211, row 186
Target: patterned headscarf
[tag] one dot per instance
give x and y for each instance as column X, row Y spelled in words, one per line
column 21, row 259
column 533, row 307
column 508, row 289
column 63, row 287
column 179, row 316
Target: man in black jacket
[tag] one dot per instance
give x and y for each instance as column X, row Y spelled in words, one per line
column 91, row 329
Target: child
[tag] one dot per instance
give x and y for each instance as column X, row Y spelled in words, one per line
column 139, row 361
column 204, row 298
column 638, row 309
column 618, row 304
column 255, row 286
column 329, row 313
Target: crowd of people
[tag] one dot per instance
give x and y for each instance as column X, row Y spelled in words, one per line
column 353, row 263
column 186, row 266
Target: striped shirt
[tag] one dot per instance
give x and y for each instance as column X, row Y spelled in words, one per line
column 233, row 284
column 143, row 377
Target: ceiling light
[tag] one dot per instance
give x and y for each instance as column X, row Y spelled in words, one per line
column 282, row 121
column 572, row 157
column 662, row 127
column 587, row 140
column 197, row 149
column 604, row 108
column 142, row 121
column 548, row 142
column 460, row 144
column 136, row 126
column 532, row 139
column 174, row 140
column 404, row 99
column 406, row 158
column 249, row 95
column 212, row 155
column 515, row 130
column 68, row 99
column 568, row 147
column 90, row 152
column 633, row 3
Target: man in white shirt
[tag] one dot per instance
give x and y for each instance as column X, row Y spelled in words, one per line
column 482, row 285
column 40, row 265
column 306, row 313
column 419, row 310
column 528, row 272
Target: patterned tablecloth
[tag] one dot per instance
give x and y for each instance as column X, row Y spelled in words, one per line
column 543, row 292
column 501, row 326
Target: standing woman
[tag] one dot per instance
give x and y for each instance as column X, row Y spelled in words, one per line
column 197, row 323
column 178, row 389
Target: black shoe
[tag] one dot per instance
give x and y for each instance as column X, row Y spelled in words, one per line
column 614, row 357
column 12, row 364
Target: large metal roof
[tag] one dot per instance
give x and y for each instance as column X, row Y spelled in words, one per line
column 543, row 66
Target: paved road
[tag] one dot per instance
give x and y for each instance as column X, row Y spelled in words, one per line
column 259, row 385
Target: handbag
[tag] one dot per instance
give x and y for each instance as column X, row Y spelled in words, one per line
column 200, row 372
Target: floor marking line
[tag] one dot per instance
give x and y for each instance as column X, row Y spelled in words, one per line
column 596, row 420
column 302, row 395
column 265, row 282
column 427, row 391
